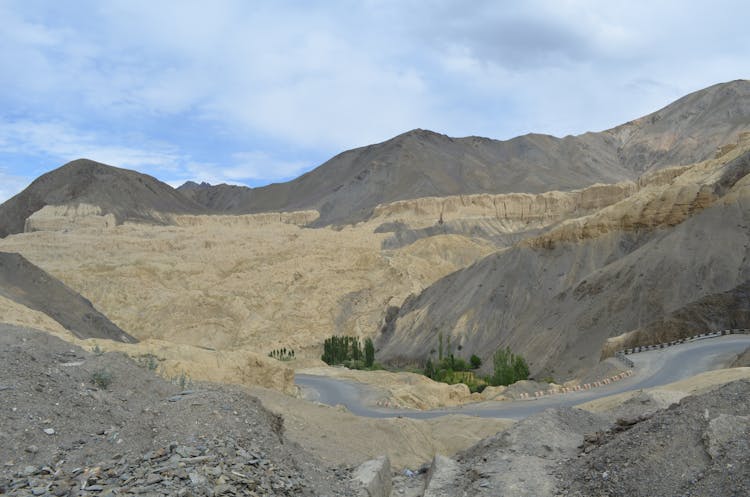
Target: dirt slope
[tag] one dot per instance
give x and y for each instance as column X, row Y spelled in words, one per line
column 123, row 193
column 30, row 286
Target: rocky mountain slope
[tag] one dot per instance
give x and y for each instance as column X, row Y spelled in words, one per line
column 423, row 164
column 102, row 194
column 30, row 286
column 77, row 423
column 696, row 447
column 558, row 296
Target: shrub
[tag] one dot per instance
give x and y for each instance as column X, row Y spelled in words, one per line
column 475, row 361
column 148, row 361
column 102, row 378
column 182, row 380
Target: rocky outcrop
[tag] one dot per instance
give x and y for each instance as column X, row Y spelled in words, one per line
column 298, row 218
column 522, row 208
column 66, row 217
column 441, row 477
column 374, row 477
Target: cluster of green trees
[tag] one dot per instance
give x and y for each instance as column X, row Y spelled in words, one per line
column 282, row 354
column 347, row 350
column 452, row 370
column 507, row 368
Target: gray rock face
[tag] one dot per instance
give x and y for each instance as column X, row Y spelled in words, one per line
column 374, row 476
column 724, row 429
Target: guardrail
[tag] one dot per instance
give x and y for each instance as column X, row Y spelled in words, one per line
column 711, row 334
column 621, row 355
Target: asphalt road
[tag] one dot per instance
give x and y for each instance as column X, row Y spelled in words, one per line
column 652, row 368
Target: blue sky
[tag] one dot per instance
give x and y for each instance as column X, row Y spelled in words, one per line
column 257, row 92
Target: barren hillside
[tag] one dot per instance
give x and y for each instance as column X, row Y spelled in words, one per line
column 556, row 297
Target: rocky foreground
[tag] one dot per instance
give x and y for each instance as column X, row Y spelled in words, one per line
column 74, row 423
column 698, row 447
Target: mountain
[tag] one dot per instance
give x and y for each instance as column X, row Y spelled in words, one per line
column 125, row 194
column 421, row 163
column 24, row 283
column 560, row 296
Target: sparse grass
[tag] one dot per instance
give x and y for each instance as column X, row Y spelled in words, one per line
column 182, row 380
column 148, row 361
column 102, row 378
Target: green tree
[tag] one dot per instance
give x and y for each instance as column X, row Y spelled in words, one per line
column 429, row 369
column 508, row 367
column 475, row 361
column 369, row 353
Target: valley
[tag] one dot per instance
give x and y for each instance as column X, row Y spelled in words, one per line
column 562, row 250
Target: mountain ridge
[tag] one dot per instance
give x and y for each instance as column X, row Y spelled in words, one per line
column 419, row 163
column 346, row 188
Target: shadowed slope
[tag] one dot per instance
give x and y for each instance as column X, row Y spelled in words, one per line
column 27, row 284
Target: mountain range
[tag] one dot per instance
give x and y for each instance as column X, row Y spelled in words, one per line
column 659, row 249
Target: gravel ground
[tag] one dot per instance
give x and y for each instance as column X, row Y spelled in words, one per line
column 65, row 431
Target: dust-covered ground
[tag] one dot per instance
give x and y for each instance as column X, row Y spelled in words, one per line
column 79, row 423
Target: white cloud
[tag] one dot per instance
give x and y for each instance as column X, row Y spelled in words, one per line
column 282, row 78
column 10, row 184
column 60, row 141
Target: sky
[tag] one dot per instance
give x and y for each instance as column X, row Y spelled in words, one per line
column 254, row 92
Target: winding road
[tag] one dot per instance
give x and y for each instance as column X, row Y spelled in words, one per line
column 652, row 368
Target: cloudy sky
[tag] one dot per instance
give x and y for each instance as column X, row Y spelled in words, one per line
column 253, row 92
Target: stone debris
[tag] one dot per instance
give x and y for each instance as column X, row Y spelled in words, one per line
column 60, row 436
column 216, row 467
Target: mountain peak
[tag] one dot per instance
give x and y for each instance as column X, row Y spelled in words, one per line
column 126, row 194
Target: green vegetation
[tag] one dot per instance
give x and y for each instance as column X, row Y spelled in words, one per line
column 453, row 370
column 347, row 351
column 475, row 361
column 508, row 368
column 102, row 378
column 282, row 354
column 369, row 353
